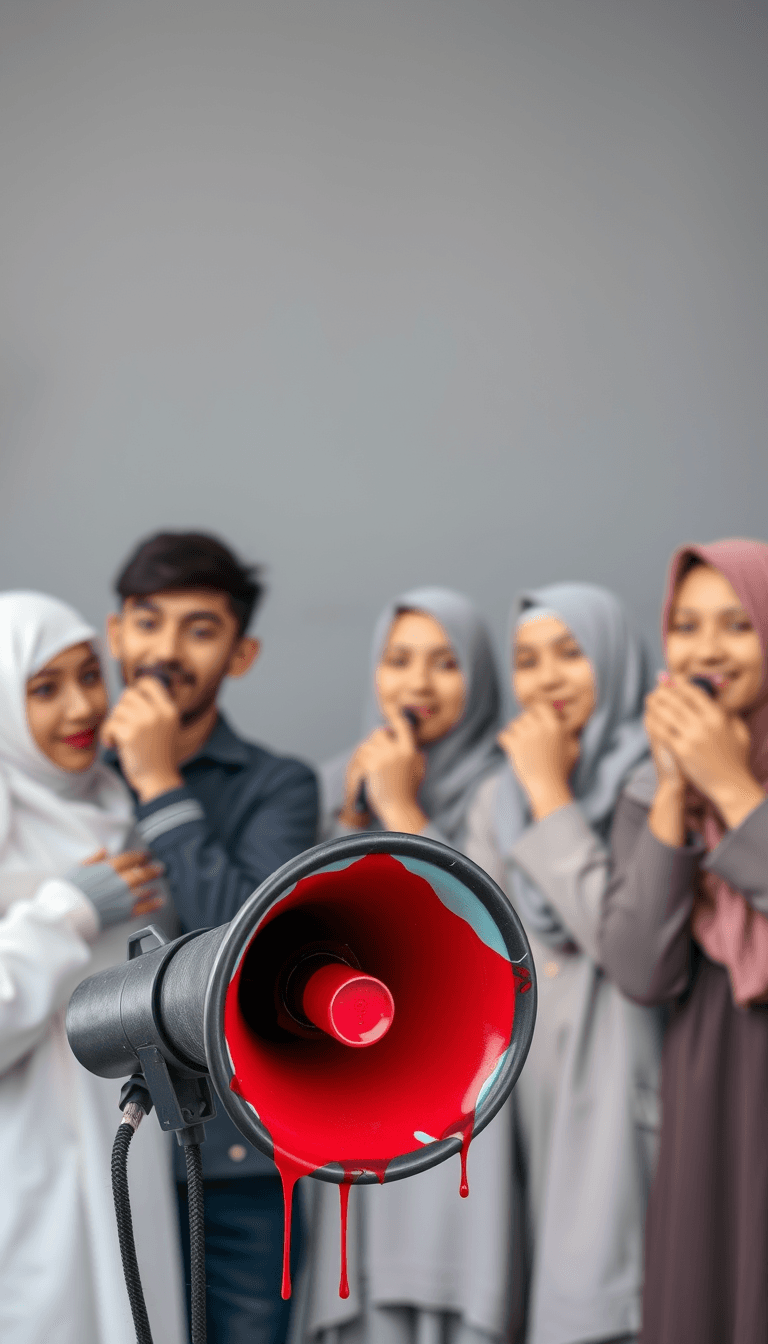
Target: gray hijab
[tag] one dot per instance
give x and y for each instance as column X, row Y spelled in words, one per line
column 613, row 741
column 458, row 762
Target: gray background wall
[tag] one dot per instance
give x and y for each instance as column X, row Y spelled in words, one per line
column 384, row 292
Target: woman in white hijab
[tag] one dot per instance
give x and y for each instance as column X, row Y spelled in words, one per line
column 425, row 1267
column 586, row 1103
column 72, row 889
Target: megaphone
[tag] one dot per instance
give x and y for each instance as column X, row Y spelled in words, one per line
column 366, row 1012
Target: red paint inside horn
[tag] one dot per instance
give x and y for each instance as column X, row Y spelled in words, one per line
column 355, row 1009
column 325, row 1103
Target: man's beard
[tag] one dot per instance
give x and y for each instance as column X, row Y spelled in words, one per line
column 169, row 674
column 192, row 715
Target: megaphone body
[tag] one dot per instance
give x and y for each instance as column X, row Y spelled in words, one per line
column 367, row 1011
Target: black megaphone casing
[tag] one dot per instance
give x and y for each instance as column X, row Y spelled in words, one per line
column 422, row 919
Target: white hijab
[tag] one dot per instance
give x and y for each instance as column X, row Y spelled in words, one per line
column 50, row 819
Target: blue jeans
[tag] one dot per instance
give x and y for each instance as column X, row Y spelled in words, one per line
column 243, row 1258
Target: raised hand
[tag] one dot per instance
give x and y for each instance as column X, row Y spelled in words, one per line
column 709, row 748
column 390, row 763
column 139, row 870
column 144, row 729
column 542, row 753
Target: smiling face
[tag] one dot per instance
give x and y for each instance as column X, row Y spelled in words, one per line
column 191, row 636
column 711, row 635
column 66, row 706
column 550, row 668
column 419, row 671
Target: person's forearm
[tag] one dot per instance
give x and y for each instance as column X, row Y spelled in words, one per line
column 644, row 937
column 150, row 787
column 562, row 856
column 736, row 797
column 210, row 883
column 405, row 817
column 666, row 819
column 547, row 796
column 741, row 858
column 208, row 889
column 43, row 952
column 354, row 820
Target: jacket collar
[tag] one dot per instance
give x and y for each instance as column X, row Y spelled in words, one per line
column 223, row 746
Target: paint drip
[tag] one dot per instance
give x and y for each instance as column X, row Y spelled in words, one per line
column 324, row 1103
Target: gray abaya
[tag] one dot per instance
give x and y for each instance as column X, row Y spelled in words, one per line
column 425, row 1266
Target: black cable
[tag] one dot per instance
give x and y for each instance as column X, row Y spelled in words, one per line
column 125, row 1132
column 196, row 1242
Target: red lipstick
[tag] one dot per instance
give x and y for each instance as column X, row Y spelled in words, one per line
column 81, row 741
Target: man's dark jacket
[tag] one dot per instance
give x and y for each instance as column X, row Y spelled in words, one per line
column 241, row 814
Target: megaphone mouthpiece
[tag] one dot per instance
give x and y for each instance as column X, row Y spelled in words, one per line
column 355, row 1009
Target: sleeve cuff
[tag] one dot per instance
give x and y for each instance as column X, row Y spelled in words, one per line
column 742, row 855
column 168, row 812
column 337, row 829
column 61, row 899
column 431, row 832
column 107, row 891
column 543, row 842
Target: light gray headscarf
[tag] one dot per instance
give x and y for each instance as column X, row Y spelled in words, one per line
column 458, row 762
column 613, row 741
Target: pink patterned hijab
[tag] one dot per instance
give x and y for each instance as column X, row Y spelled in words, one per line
column 724, row 924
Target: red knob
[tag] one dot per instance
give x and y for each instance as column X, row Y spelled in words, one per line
column 354, row 1008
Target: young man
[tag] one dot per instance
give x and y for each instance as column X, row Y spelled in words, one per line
column 221, row 814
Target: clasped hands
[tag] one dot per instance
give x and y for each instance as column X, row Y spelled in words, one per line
column 695, row 741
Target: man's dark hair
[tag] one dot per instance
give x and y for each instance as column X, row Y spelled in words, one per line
column 171, row 560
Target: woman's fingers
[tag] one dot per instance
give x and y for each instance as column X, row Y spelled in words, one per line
column 139, row 877
column 674, row 711
column 544, row 715
column 688, row 702
column 402, row 730
column 696, row 699
column 137, row 867
column 98, row 857
column 389, row 744
column 145, row 904
column 660, row 719
column 130, row 858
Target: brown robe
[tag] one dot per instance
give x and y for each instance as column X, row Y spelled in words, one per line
column 706, row 1272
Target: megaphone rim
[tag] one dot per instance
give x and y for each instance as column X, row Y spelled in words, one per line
column 245, row 924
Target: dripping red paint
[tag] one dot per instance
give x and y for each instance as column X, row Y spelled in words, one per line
column 323, row 1102
column 344, row 1190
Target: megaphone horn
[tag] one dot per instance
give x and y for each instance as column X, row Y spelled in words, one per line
column 366, row 1012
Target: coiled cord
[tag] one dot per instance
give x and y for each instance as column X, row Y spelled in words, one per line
column 125, row 1132
column 133, row 1114
column 196, row 1242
